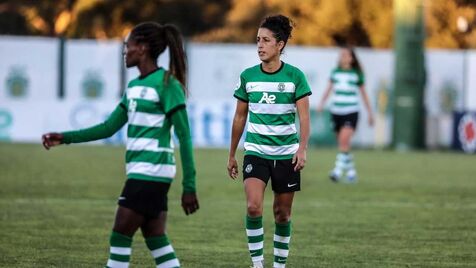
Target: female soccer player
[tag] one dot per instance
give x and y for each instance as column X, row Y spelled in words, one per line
column 346, row 81
column 151, row 105
column 270, row 93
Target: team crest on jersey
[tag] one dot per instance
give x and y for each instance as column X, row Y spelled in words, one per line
column 249, row 168
column 281, row 87
column 467, row 133
column 143, row 92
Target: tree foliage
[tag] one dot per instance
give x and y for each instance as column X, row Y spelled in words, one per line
column 317, row 22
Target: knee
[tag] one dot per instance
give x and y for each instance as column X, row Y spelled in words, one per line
column 254, row 209
column 281, row 215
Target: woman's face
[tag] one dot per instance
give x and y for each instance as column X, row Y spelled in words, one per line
column 268, row 47
column 345, row 60
column 132, row 52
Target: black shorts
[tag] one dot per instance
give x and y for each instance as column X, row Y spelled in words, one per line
column 345, row 120
column 283, row 177
column 148, row 198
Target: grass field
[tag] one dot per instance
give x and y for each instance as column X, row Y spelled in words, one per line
column 408, row 210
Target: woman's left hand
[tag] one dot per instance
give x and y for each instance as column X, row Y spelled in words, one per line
column 299, row 159
column 189, row 203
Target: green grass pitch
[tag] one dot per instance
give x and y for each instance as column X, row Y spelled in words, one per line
column 412, row 209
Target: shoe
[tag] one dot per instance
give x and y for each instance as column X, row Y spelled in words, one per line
column 335, row 175
column 351, row 176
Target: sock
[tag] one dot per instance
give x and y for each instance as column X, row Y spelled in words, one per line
column 120, row 250
column 162, row 251
column 340, row 164
column 282, row 235
column 255, row 233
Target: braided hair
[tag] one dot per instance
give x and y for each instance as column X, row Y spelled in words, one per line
column 158, row 37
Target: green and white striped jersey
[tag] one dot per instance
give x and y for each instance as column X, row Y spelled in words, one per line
column 345, row 98
column 271, row 131
column 150, row 153
column 144, row 107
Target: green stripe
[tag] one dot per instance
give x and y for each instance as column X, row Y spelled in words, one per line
column 163, row 134
column 345, row 104
column 150, row 157
column 345, row 93
column 281, row 245
column 157, row 242
column 138, row 176
column 280, row 259
column 280, row 98
column 121, row 258
column 255, row 239
column 283, row 229
column 120, row 240
column 275, row 140
column 272, row 119
column 164, row 258
column 254, row 222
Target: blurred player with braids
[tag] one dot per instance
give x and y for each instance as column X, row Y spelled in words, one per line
column 269, row 94
column 152, row 104
column 346, row 81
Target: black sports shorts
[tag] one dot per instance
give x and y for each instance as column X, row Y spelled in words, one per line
column 148, row 198
column 346, row 120
column 281, row 172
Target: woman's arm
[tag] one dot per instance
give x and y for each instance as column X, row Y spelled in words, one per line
column 113, row 123
column 239, row 122
column 304, row 129
column 363, row 92
column 182, row 130
column 328, row 91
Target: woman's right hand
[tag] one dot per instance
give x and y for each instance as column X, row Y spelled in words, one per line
column 51, row 139
column 232, row 167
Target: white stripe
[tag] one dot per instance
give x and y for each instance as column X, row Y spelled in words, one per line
column 169, row 264
column 278, row 265
column 345, row 98
column 117, row 264
column 344, row 110
column 144, row 93
column 281, row 252
column 257, row 258
column 289, row 87
column 120, row 250
column 255, row 246
column 347, row 77
column 254, row 232
column 146, row 119
column 282, row 239
column 272, row 130
column 272, row 150
column 264, row 108
column 159, row 170
column 162, row 251
column 146, row 144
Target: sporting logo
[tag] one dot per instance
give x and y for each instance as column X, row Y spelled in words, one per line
column 269, row 99
column 132, row 105
column 467, row 133
column 249, row 168
column 281, row 87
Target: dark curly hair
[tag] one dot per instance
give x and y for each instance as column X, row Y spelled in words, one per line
column 280, row 25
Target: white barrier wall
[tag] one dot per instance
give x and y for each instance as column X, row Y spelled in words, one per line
column 28, row 68
column 93, row 88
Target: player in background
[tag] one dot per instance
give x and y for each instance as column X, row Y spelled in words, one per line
column 346, row 81
column 269, row 95
column 151, row 105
